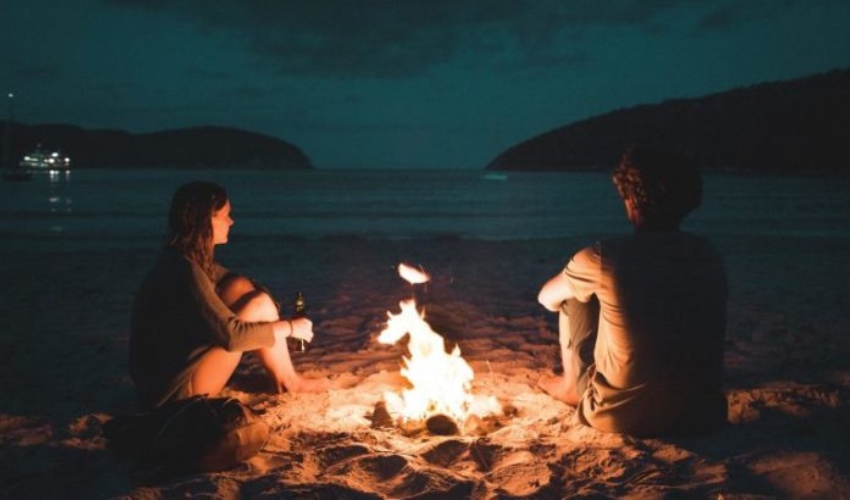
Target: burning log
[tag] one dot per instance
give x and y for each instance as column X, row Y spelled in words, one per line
column 442, row 425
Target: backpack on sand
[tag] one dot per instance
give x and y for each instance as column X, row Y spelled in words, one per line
column 197, row 434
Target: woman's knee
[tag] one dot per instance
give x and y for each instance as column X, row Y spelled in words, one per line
column 234, row 288
column 257, row 306
column 249, row 303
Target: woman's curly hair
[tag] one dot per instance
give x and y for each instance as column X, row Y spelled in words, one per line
column 662, row 187
column 189, row 221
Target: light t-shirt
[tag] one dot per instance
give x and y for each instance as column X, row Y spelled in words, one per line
column 659, row 351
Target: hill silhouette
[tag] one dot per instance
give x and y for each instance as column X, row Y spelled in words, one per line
column 800, row 125
column 198, row 147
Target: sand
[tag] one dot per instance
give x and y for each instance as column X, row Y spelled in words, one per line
column 63, row 372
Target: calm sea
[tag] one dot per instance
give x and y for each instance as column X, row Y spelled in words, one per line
column 127, row 208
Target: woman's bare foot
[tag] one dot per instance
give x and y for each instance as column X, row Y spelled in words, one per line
column 559, row 388
column 299, row 384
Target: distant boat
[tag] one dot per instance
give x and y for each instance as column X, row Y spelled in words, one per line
column 45, row 161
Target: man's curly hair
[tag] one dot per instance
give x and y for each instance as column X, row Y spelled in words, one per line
column 663, row 187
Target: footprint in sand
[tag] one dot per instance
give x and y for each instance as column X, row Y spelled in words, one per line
column 330, row 456
column 446, row 453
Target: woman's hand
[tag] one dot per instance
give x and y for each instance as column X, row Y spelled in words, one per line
column 302, row 328
column 298, row 328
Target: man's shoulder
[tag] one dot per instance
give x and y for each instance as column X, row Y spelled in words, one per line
column 655, row 238
column 657, row 245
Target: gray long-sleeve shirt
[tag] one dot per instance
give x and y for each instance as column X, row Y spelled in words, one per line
column 177, row 318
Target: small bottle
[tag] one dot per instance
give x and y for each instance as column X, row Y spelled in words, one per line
column 299, row 311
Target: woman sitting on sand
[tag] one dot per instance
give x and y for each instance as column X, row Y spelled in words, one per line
column 192, row 318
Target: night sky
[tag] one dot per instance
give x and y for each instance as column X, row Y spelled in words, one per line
column 396, row 84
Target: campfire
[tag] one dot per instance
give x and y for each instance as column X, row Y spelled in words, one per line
column 441, row 382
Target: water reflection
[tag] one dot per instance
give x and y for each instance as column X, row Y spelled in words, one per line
column 60, row 203
column 59, row 175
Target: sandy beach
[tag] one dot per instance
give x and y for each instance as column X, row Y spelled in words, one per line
column 64, row 349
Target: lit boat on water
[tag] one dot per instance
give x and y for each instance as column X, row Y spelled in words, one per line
column 45, row 161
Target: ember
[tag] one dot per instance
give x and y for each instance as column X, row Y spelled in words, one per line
column 441, row 381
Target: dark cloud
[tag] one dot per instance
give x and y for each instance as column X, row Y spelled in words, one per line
column 388, row 39
column 726, row 15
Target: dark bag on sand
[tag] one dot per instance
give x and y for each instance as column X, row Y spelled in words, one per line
column 197, row 434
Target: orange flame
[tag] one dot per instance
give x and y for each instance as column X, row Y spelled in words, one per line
column 441, row 382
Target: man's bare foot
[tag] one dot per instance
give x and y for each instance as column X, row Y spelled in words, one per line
column 299, row 384
column 558, row 387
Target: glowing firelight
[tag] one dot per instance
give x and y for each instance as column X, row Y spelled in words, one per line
column 441, row 382
column 412, row 275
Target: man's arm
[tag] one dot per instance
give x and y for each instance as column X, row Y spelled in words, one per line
column 578, row 280
column 555, row 292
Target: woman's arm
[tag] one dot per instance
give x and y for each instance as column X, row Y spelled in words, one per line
column 252, row 302
column 220, row 324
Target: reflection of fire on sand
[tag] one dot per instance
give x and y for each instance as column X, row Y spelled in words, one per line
column 441, row 382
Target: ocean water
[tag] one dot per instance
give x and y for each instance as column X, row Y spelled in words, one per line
column 127, row 208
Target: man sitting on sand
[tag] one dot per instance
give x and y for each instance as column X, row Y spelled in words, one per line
column 643, row 317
